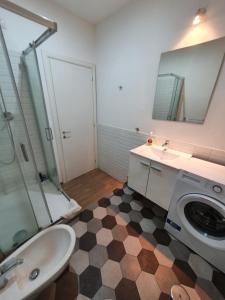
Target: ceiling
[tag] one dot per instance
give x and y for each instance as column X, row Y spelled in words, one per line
column 93, row 11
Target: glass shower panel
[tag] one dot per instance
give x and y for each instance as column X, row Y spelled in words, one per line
column 20, row 216
column 33, row 74
column 17, row 219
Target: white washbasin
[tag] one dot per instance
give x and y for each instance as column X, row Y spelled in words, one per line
column 168, row 154
column 50, row 251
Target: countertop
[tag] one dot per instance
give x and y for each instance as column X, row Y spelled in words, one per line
column 185, row 162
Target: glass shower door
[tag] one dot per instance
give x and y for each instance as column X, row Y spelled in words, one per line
column 17, row 219
column 34, row 78
column 18, row 176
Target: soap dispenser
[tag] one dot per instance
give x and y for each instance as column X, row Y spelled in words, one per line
column 150, row 139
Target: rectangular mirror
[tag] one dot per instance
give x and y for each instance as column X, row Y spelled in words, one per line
column 186, row 80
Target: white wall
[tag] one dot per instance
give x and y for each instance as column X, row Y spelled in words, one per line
column 75, row 37
column 128, row 50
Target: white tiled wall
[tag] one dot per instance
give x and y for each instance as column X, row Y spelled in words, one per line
column 113, row 149
column 114, row 145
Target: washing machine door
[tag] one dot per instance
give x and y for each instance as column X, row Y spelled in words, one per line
column 203, row 217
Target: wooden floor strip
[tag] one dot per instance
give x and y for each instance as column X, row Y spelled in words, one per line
column 90, row 187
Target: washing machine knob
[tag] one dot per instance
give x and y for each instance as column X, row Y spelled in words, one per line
column 217, row 189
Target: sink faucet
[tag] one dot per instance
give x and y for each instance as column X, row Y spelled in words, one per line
column 6, row 267
column 165, row 145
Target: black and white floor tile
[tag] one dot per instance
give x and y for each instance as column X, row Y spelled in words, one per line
column 123, row 252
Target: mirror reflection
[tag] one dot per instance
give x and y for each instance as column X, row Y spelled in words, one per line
column 186, row 80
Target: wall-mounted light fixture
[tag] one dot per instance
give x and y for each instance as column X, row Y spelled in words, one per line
column 200, row 16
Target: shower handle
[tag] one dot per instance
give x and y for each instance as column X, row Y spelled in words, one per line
column 48, row 133
column 24, row 151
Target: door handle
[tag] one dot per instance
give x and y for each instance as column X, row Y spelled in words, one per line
column 65, row 134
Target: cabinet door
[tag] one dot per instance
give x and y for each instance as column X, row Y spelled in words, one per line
column 161, row 184
column 138, row 173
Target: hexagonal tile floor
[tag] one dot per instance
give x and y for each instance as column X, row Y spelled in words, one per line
column 123, row 252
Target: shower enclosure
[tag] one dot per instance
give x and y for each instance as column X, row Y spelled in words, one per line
column 29, row 58
column 169, row 100
column 24, row 198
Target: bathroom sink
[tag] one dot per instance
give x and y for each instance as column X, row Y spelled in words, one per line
column 48, row 252
column 168, row 154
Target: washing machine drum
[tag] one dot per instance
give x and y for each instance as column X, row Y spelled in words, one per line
column 204, row 214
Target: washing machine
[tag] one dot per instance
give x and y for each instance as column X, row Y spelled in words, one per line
column 196, row 217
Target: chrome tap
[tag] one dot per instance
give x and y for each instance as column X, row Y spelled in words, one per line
column 6, row 267
column 165, row 145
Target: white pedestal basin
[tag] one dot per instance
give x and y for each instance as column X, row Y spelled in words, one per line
column 49, row 251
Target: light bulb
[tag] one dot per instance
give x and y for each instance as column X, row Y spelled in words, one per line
column 197, row 20
column 200, row 16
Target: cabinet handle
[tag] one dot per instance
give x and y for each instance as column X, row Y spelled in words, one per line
column 156, row 169
column 144, row 164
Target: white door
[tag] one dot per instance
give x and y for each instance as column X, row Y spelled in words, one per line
column 73, row 93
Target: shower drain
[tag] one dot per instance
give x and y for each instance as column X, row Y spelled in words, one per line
column 34, row 274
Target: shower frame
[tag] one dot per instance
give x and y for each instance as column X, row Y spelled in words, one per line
column 181, row 80
column 41, row 20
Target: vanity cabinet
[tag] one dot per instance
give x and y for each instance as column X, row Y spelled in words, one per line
column 151, row 179
column 138, row 174
column 161, row 183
